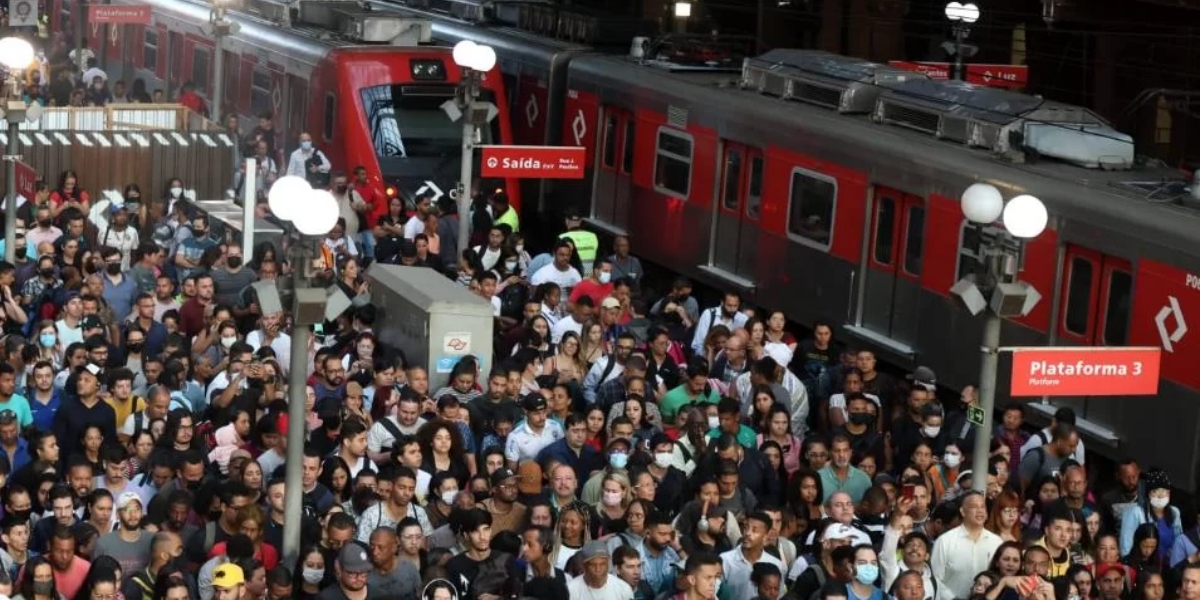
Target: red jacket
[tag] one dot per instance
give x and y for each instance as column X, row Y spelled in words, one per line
column 194, row 102
column 377, row 202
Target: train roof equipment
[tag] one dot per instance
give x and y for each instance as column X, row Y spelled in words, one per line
column 1009, row 124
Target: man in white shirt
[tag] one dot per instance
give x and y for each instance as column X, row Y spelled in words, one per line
column 597, row 583
column 729, row 314
column 737, row 564
column 966, row 550
column 489, row 255
column 309, row 163
column 415, row 225
column 560, row 271
column 580, row 313
column 534, row 433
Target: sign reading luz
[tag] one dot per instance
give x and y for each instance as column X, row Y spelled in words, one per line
column 1085, row 371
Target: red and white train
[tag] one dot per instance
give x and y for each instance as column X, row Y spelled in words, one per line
column 317, row 67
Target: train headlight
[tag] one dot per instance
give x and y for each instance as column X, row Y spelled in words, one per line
column 428, row 69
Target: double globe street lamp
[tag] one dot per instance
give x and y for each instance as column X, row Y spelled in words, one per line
column 995, row 290
column 16, row 55
column 473, row 60
column 314, row 212
column 962, row 16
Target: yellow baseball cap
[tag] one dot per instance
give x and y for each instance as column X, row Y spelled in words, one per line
column 227, row 576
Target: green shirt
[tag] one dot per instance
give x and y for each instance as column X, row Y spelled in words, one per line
column 679, row 397
column 745, row 436
column 856, row 484
column 509, row 218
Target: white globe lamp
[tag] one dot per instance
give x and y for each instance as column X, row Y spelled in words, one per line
column 286, row 195
column 967, row 13
column 485, row 58
column 319, row 214
column 464, row 53
column 982, row 203
column 1025, row 217
column 16, row 53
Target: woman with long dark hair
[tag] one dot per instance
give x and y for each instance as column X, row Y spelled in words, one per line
column 1145, row 555
column 180, row 433
column 335, row 475
column 37, row 580
column 442, row 450
column 309, row 571
column 69, row 194
column 171, row 586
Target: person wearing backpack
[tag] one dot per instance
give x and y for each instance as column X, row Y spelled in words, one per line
column 1047, row 460
column 1042, row 437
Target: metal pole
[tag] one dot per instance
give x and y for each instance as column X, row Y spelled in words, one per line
column 218, row 91
column 760, row 27
column 297, row 375
column 80, row 14
column 959, row 33
column 249, row 195
column 10, row 208
column 466, row 171
column 989, row 365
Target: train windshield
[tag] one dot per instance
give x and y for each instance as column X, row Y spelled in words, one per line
column 407, row 121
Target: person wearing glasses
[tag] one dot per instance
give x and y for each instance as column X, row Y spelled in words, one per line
column 353, row 568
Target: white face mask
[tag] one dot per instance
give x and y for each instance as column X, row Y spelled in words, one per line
column 612, row 498
column 228, row 341
column 664, row 459
column 538, row 370
column 605, row 276
column 510, row 265
column 176, row 192
column 931, row 432
column 1160, row 502
column 952, row 460
column 714, row 422
column 448, row 497
column 313, row 576
column 520, row 248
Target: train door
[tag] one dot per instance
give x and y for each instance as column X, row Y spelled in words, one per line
column 731, row 244
column 614, row 182
column 1095, row 300
column 891, row 296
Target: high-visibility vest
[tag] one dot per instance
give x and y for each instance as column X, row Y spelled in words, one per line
column 509, row 218
column 586, row 244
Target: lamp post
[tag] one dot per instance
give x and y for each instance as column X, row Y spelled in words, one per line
column 16, row 54
column 313, row 212
column 995, row 290
column 683, row 12
column 474, row 60
column 218, row 27
column 962, row 16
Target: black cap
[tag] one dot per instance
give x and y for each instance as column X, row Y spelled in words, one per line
column 408, row 249
column 92, row 322
column 533, row 401
column 573, row 214
column 500, row 475
column 7, row 417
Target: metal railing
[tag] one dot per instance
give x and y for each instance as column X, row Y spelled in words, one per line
column 118, row 117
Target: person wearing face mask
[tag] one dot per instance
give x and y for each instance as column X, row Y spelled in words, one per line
column 943, row 474
column 1157, row 509
column 669, row 479
column 232, row 277
column 308, row 162
column 618, row 451
column 119, row 290
column 597, row 286
column 117, row 232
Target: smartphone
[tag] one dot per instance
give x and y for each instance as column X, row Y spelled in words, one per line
column 909, row 490
column 318, row 329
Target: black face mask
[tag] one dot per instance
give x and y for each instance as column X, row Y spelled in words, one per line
column 44, row 222
column 20, row 251
column 135, row 347
column 861, row 418
column 47, row 273
column 341, row 189
column 480, row 496
column 234, row 262
column 21, row 515
column 191, row 485
column 113, row 268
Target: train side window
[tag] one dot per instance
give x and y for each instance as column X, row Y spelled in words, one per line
column 914, row 239
column 1079, row 296
column 673, row 162
column 175, row 54
column 330, row 112
column 627, row 151
column 1116, row 312
column 754, row 188
column 610, row 139
column 811, row 209
column 260, row 92
column 200, row 77
column 885, row 228
column 733, row 179
column 150, row 49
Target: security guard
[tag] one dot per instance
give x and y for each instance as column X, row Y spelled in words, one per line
column 586, row 243
column 502, row 213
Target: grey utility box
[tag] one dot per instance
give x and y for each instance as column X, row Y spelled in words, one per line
column 434, row 320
